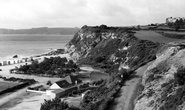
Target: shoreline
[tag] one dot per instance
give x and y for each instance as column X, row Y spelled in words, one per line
column 8, row 100
column 27, row 59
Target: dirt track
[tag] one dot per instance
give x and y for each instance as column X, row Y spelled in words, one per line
column 128, row 90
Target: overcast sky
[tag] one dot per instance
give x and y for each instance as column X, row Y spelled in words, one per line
column 76, row 13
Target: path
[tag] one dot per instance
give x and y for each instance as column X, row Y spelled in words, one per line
column 128, row 90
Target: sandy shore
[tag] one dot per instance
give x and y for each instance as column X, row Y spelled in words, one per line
column 128, row 90
column 22, row 100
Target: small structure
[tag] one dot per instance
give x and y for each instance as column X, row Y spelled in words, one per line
column 4, row 62
column 11, row 62
column 15, row 61
column 60, row 92
column 65, row 82
column 63, row 86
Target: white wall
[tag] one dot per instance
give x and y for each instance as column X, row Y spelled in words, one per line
column 54, row 86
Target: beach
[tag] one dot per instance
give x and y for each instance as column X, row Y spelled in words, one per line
column 20, row 99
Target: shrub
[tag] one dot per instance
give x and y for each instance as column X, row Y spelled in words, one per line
column 73, row 108
column 180, row 76
column 54, row 104
column 171, row 102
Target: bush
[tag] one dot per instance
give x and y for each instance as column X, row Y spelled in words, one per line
column 180, row 76
column 54, row 104
column 73, row 108
column 171, row 102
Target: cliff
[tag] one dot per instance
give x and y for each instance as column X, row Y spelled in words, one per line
column 103, row 46
column 116, row 51
column 163, row 82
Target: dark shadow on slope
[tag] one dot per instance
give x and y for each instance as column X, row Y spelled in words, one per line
column 113, row 104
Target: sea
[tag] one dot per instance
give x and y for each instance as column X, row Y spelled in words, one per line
column 25, row 45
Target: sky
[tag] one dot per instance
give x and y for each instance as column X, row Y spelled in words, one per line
column 17, row 14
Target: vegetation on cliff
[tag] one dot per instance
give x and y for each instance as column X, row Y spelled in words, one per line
column 163, row 82
column 106, row 46
column 114, row 49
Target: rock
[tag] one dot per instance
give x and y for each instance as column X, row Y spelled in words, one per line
column 159, row 76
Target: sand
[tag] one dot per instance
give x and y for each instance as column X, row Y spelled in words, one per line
column 22, row 100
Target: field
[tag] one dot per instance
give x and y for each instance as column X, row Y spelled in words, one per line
column 174, row 32
column 7, row 85
column 155, row 37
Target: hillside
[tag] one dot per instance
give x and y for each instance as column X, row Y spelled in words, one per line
column 42, row 30
column 116, row 51
column 101, row 46
column 163, row 82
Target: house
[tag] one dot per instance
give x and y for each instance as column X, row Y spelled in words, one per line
column 60, row 84
column 63, row 86
column 11, row 62
column 65, row 82
column 59, row 92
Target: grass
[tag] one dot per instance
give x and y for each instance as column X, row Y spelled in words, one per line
column 7, row 85
column 156, row 36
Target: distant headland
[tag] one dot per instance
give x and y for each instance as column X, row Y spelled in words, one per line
column 41, row 30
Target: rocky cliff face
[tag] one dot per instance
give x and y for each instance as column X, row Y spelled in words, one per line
column 113, row 49
column 110, row 45
column 164, row 80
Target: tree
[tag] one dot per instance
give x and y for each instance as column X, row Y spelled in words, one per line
column 54, row 104
column 181, row 22
column 84, row 27
column 103, row 26
column 138, row 27
column 177, row 25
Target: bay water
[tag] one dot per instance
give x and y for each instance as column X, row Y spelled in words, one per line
column 25, row 45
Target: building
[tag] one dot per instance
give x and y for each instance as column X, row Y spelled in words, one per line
column 65, row 82
column 5, row 62
column 60, row 92
column 63, row 87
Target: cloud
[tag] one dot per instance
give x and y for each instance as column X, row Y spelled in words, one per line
column 70, row 13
